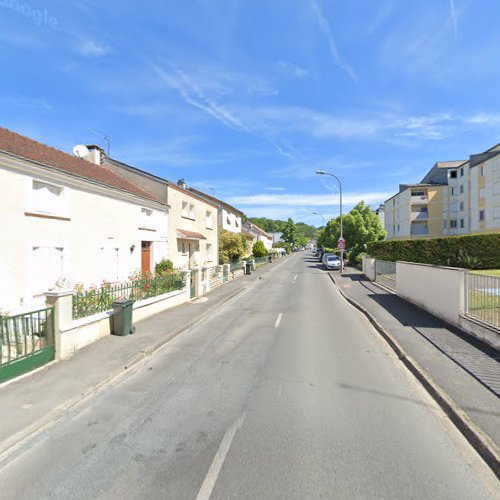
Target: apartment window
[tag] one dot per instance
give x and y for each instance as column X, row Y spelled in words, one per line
column 461, row 223
column 209, row 219
column 398, row 228
column 47, row 198
column 453, row 223
column 423, row 209
column 393, row 229
column 462, row 172
column 453, row 174
column 461, row 189
column 445, row 224
column 481, row 171
column 481, row 214
column 210, row 252
column 452, row 190
column 461, row 206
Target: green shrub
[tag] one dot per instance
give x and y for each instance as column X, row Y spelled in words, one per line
column 165, row 266
column 259, row 250
column 474, row 251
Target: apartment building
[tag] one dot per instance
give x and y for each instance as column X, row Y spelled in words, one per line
column 454, row 198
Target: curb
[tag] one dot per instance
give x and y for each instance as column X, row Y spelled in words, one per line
column 481, row 442
column 10, row 445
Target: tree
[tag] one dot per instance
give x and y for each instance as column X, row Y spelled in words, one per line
column 361, row 226
column 259, row 250
column 232, row 246
column 290, row 234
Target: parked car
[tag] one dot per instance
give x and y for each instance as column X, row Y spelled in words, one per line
column 331, row 261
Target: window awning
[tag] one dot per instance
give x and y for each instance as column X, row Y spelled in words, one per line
column 183, row 234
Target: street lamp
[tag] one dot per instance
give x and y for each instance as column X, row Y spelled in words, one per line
column 323, row 172
column 316, row 213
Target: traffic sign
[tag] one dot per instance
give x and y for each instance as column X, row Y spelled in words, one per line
column 341, row 244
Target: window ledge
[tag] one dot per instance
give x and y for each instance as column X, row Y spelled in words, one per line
column 47, row 216
column 186, row 217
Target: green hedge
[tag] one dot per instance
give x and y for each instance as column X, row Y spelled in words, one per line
column 474, row 251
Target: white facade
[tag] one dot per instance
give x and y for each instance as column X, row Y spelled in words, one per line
column 229, row 220
column 58, row 226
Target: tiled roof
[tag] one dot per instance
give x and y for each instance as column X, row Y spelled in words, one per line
column 19, row 145
column 189, row 235
column 450, row 164
column 253, row 226
column 213, row 199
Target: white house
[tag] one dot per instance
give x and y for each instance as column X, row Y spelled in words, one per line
column 65, row 217
column 259, row 233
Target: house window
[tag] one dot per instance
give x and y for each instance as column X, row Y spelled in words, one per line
column 48, row 265
column 461, row 223
column 481, row 171
column 210, row 253
column 110, row 263
column 47, row 198
column 453, row 223
column 228, row 220
column 453, row 174
column 462, row 172
column 236, row 223
column 481, row 214
column 461, row 189
column 188, row 210
column 146, row 217
column 209, row 220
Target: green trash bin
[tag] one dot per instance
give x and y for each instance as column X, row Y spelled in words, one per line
column 248, row 268
column 122, row 317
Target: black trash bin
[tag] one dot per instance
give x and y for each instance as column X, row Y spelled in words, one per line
column 248, row 267
column 122, row 317
column 270, row 257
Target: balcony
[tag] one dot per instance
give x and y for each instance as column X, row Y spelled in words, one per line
column 417, row 216
column 419, row 199
column 419, row 229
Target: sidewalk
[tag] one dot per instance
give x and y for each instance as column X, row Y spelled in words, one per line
column 31, row 403
column 457, row 369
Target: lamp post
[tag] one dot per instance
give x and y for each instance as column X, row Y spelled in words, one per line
column 316, row 213
column 323, row 172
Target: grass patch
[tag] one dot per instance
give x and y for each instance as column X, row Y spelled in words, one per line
column 487, row 272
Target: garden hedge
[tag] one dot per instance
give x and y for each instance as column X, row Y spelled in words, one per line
column 475, row 251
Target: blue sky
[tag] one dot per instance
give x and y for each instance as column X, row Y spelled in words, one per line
column 247, row 98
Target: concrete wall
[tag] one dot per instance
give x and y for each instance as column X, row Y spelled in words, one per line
column 369, row 267
column 85, row 331
column 439, row 290
column 92, row 233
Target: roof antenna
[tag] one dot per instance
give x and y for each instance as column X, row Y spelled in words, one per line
column 107, row 138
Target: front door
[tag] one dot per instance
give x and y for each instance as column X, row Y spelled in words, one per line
column 146, row 256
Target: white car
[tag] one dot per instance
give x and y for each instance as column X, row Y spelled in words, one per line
column 331, row 261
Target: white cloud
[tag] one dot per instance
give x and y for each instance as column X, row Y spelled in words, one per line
column 454, row 18
column 89, row 47
column 327, row 30
column 313, row 200
column 291, row 69
column 275, row 189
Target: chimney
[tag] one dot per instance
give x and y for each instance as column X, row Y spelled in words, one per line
column 182, row 183
column 96, row 154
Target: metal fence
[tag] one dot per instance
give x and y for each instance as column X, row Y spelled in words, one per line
column 259, row 261
column 95, row 300
column 482, row 298
column 234, row 265
column 26, row 342
column 385, row 273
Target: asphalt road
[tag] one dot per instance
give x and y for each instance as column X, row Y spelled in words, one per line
column 286, row 392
